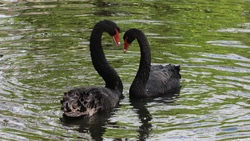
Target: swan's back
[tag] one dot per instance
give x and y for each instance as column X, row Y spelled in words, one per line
column 88, row 101
column 163, row 80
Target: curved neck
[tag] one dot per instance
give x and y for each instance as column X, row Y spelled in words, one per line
column 99, row 61
column 138, row 86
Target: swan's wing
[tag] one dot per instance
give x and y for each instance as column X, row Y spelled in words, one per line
column 163, row 80
column 88, row 101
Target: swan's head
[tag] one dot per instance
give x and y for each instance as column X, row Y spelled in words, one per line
column 113, row 30
column 129, row 37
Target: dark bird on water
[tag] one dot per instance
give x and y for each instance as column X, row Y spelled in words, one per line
column 151, row 80
column 86, row 101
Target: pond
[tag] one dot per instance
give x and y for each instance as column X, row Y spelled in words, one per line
column 44, row 51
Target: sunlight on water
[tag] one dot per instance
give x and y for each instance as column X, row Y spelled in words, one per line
column 44, row 51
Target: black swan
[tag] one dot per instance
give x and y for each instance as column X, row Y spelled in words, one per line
column 87, row 101
column 151, row 81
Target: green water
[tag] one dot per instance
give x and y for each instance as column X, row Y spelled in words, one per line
column 45, row 48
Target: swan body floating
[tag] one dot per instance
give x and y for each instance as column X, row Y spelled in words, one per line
column 151, row 81
column 87, row 101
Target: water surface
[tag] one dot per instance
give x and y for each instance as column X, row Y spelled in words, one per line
column 44, row 51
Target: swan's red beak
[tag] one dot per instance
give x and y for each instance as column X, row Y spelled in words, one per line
column 116, row 38
column 126, row 45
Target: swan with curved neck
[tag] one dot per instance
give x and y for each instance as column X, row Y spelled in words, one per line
column 87, row 101
column 151, row 81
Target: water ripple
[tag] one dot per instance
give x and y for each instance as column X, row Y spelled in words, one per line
column 44, row 51
column 224, row 43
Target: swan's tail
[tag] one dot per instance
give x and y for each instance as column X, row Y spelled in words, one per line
column 177, row 70
column 80, row 102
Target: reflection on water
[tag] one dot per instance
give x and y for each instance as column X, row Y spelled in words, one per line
column 44, row 52
column 95, row 125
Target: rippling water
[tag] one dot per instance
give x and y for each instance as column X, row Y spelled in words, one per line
column 44, row 51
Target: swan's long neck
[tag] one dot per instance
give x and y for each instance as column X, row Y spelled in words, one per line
column 99, row 61
column 138, row 86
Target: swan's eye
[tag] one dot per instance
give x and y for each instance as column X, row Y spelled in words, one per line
column 117, row 29
column 126, row 39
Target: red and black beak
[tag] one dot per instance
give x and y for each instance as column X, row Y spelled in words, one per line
column 116, row 38
column 126, row 45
